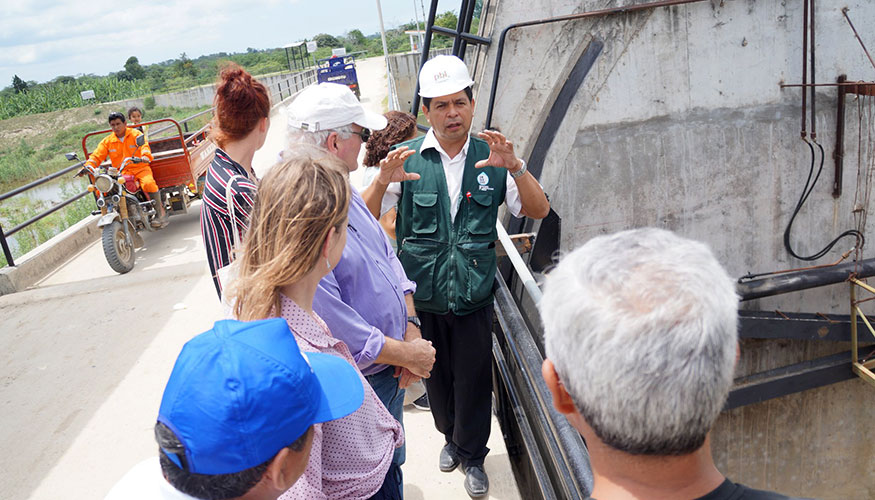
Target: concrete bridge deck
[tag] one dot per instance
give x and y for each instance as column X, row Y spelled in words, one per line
column 85, row 354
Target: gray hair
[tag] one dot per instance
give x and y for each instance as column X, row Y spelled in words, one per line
column 642, row 326
column 298, row 136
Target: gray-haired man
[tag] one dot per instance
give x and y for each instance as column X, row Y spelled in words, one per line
column 640, row 330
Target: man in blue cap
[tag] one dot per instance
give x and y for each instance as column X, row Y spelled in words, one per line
column 237, row 416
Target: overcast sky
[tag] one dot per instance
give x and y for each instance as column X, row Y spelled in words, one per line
column 42, row 39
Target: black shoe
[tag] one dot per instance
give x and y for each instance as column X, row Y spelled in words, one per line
column 421, row 403
column 476, row 482
column 448, row 460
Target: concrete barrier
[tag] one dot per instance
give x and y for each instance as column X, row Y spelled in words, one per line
column 276, row 83
column 44, row 259
column 405, row 68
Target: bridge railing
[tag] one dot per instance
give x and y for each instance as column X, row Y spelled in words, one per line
column 281, row 90
column 548, row 455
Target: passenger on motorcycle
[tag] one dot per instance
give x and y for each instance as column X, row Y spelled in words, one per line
column 135, row 117
column 121, row 144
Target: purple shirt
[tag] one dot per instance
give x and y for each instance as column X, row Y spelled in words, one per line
column 362, row 299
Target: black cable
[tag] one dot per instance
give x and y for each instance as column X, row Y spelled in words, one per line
column 806, row 192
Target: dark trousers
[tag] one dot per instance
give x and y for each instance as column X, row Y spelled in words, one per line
column 392, row 489
column 460, row 386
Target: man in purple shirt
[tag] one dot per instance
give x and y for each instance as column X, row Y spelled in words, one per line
column 367, row 300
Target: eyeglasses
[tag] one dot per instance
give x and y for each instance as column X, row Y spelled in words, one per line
column 365, row 134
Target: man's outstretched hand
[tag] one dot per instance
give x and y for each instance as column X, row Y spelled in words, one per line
column 392, row 167
column 500, row 152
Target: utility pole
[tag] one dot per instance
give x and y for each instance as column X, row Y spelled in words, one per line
column 386, row 56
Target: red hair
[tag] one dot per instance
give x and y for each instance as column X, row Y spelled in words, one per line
column 241, row 101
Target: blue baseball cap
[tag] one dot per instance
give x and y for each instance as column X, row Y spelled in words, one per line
column 242, row 391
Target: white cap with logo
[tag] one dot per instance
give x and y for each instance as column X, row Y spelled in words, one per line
column 443, row 75
column 328, row 106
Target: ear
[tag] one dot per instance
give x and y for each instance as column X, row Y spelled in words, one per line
column 425, row 111
column 274, row 475
column 263, row 126
column 329, row 242
column 561, row 399
column 331, row 143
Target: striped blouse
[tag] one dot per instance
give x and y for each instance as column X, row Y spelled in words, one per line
column 215, row 221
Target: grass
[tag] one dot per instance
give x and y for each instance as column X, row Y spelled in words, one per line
column 50, row 97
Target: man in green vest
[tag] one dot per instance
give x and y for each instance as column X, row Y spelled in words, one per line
column 447, row 196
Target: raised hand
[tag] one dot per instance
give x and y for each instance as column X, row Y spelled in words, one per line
column 500, row 152
column 392, row 166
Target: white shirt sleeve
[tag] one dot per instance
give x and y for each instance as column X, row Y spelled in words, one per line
column 512, row 195
column 390, row 199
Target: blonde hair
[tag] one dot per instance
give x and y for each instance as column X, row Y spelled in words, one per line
column 298, row 203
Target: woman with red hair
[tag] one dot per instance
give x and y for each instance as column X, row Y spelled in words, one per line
column 240, row 124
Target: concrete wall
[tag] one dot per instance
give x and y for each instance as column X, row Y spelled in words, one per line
column 681, row 124
column 405, row 68
column 280, row 85
column 44, row 259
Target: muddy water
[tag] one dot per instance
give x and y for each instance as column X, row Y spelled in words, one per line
column 39, row 199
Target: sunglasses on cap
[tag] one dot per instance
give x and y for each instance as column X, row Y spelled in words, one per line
column 364, row 133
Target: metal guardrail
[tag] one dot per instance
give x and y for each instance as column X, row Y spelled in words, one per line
column 5, row 196
column 558, row 457
column 293, row 84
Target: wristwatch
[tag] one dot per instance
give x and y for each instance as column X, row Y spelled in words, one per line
column 521, row 171
column 415, row 321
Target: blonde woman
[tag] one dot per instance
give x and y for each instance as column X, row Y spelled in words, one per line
column 296, row 235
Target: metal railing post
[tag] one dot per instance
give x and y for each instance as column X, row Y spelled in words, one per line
column 6, row 251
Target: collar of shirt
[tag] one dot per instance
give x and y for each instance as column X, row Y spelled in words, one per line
column 232, row 165
column 114, row 138
column 308, row 328
column 431, row 142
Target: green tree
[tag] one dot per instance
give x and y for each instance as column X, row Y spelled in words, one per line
column 184, row 67
column 19, row 85
column 356, row 38
column 447, row 20
column 64, row 80
column 132, row 66
column 325, row 40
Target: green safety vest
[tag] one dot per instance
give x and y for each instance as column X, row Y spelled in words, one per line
column 452, row 262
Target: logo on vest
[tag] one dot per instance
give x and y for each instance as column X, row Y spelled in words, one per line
column 483, row 180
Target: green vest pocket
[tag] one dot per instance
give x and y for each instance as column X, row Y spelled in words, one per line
column 480, row 267
column 419, row 269
column 481, row 217
column 425, row 213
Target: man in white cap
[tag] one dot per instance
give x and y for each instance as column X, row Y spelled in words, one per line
column 366, row 300
column 447, row 197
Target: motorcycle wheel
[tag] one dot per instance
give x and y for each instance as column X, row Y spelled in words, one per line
column 118, row 248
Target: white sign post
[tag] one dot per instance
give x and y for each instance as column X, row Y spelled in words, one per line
column 87, row 94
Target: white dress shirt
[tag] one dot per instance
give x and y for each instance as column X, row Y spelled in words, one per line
column 454, row 168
